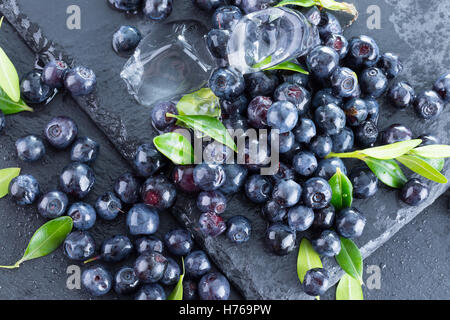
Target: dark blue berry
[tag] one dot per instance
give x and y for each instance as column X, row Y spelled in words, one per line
column 147, row 160
column 286, row 141
column 373, row 109
column 142, row 220
column 327, row 168
column 79, row 246
column 211, row 225
column 280, row 239
column 343, row 141
column 157, row 10
column 216, row 153
column 363, row 52
column 391, row 65
column 24, row 189
column 158, row 192
column 30, row 148
column 366, row 134
column 339, row 43
column 414, row 192
column 84, row 150
column 172, row 273
column 179, row 242
column 365, row 183
column 33, row 90
column 396, row 133
column 296, row 78
column 54, row 72
column 80, row 81
column 227, row 83
column 344, row 83
column 149, row 244
column 211, row 201
column 428, row 105
column 125, row 281
column 183, row 178
column 249, row 6
column 324, row 97
column 97, row 280
column 350, row 223
column 77, row 180
column 108, row 206
column 83, row 215
column 116, row 249
column 258, row 188
column 125, row 5
column 322, row 61
column 239, row 229
column 257, row 112
column 209, row 177
column 356, row 111
column 159, row 118
column 190, row 290
column 273, row 212
column 53, row 204
column 305, row 130
column 217, row 41
column 321, row 145
column 304, row 163
column 401, row 95
column 209, row 4
column 428, row 139
column 442, row 87
column 328, row 24
column 324, row 218
column 151, row 292
column 197, row 264
column 287, row 193
column 327, row 243
column 125, row 40
column 300, row 218
column 373, row 82
column 316, row 282
column 295, row 94
column 214, row 286
column 285, row 172
column 226, row 17
column 282, row 115
column 261, row 83
column 150, row 267
column 235, row 106
column 60, row 132
column 330, row 119
column 316, row 193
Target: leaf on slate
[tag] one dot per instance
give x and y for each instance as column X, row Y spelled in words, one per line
column 307, row 259
column 10, row 107
column 342, row 196
column 176, row 147
column 349, row 288
column 201, row 102
column 6, row 175
column 290, row 66
column 177, row 292
column 9, row 79
column 388, row 171
column 350, row 259
column 391, row 151
column 422, row 167
column 435, row 151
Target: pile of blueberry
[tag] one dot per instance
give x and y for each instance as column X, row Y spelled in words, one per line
column 155, row 10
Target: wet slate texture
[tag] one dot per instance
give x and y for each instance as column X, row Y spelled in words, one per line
column 257, row 273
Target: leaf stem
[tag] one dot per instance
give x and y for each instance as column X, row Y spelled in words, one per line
column 92, row 259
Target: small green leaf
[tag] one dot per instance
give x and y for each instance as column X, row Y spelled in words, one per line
column 210, row 126
column 342, row 188
column 290, row 66
column 6, row 175
column 349, row 289
column 264, row 62
column 300, row 3
column 177, row 293
column 176, row 147
column 388, row 171
column 10, row 107
column 201, row 102
column 350, row 259
column 435, row 151
column 422, row 167
column 307, row 259
column 438, row 164
column 328, row 4
column 9, row 79
column 391, row 151
column 46, row 240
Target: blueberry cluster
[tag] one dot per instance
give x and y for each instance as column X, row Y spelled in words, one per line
column 155, row 10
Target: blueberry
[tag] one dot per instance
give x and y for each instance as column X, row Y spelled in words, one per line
column 373, row 109
column 324, row 218
column 401, row 95
column 442, row 87
column 217, row 41
column 366, row 134
column 304, row 163
column 197, row 264
column 211, row 201
column 60, row 132
column 280, row 239
column 261, row 83
column 150, row 267
column 159, row 119
column 328, row 167
column 330, row 119
column 116, row 249
column 179, row 242
column 84, row 150
column 125, row 281
column 339, row 43
column 273, row 212
column 172, row 273
column 295, row 94
column 327, row 243
column 157, row 10
column 282, row 115
column 350, row 223
column 286, row 141
column 356, row 111
column 227, row 83
column 211, row 225
column 316, row 282
column 209, row 4
column 142, row 220
column 83, row 215
column 344, row 83
column 428, row 105
column 53, row 204
column 363, row 52
column 239, row 229
column 33, row 90
column 209, row 177
column 316, row 193
column 321, row 145
column 214, row 286
column 428, row 139
column 216, row 153
column 125, row 40
column 149, row 244
column 258, row 188
column 127, row 188
column 365, row 183
column 79, row 246
column 343, row 141
column 373, row 82
column 226, row 17
column 395, row 133
column 24, row 189
column 322, row 61
column 324, row 97
column 235, row 106
column 305, row 130
column 108, row 206
column 54, row 72
column 249, row 6
column 183, row 178
column 236, row 175
column 300, row 218
column 287, row 193
column 77, row 180
column 96, row 280
column 30, row 148
column 125, row 5
column 257, row 112
column 147, row 160
column 414, row 192
column 80, row 81
column 285, row 172
column 328, row 24
column 190, row 290
column 2, row 121
column 151, row 292
column 391, row 65
column 158, row 192
column 296, row 78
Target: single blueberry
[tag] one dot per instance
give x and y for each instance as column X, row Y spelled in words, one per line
column 54, row 72
column 304, row 163
column 108, row 206
column 257, row 112
column 344, row 83
column 30, row 148
column 287, row 193
column 116, row 249
column 150, row 267
column 365, row 183
column 249, row 6
column 151, row 292
column 125, row 281
column 190, row 290
column 330, row 119
column 328, row 24
column 295, row 94
column 214, row 286
column 366, row 134
column 296, row 78
column 183, row 178
column 337, row 42
column 373, row 109
column 209, row 177
column 286, row 141
column 414, row 192
column 300, row 218
column 321, row 145
column 80, row 81
column 24, row 189
column 391, row 65
column 316, row 282
column 211, row 225
column 125, row 40
column 97, row 280
column 157, row 10
column 401, row 95
column 127, row 188
column 83, row 215
column 160, row 120
column 217, row 41
column 53, row 204
column 84, row 150
column 324, row 218
column 236, row 175
column 273, row 212
column 79, row 246
column 77, row 180
column 328, row 167
column 227, row 83
column 373, row 82
column 226, row 17
column 149, row 244
column 305, row 130
column 172, row 273
column 316, row 193
column 327, row 243
column 343, row 141
column 428, row 105
column 258, row 188
column 179, row 242
column 60, row 132
column 142, row 220
column 280, row 239
column 285, row 172
column 395, row 133
column 442, row 87
column 322, row 61
column 350, row 223
column 209, row 4
column 148, row 160
column 324, row 97
column 363, row 52
column 235, row 106
column 239, row 229
column 197, row 264
column 33, row 90
column 217, row 153
column 211, row 201
column 261, row 83
column 125, row 5
column 282, row 115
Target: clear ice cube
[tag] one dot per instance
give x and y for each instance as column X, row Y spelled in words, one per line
column 172, row 60
column 268, row 37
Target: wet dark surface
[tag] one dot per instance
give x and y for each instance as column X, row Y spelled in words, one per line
column 257, row 273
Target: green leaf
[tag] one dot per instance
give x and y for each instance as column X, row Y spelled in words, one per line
column 422, row 167
column 176, row 147
column 6, row 175
column 210, row 126
column 349, row 289
column 391, row 151
column 435, row 151
column 328, row 4
column 46, row 240
column 307, row 259
column 388, row 171
column 342, row 188
column 10, row 107
column 350, row 259
column 264, row 62
column 1, row 21
column 201, row 102
column 300, row 3
column 177, row 293
column 9, row 80
column 290, row 66
column 438, row 164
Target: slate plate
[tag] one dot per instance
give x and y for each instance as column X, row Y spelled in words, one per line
column 257, row 273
